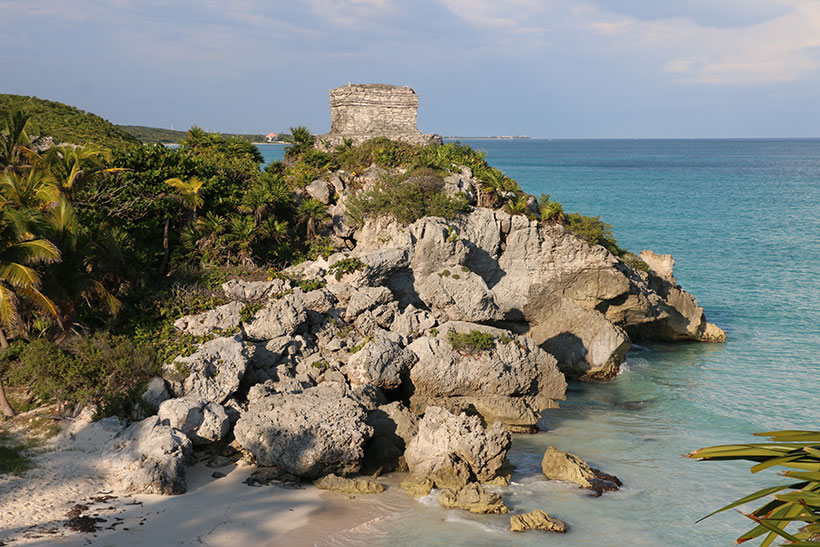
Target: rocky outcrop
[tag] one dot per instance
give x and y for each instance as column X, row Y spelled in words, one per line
column 348, row 486
column 250, row 291
column 203, row 422
column 417, row 487
column 562, row 466
column 394, row 426
column 213, row 372
column 473, row 498
column 148, row 458
column 537, row 520
column 380, row 362
column 310, row 434
column 453, row 450
column 510, row 383
column 221, row 318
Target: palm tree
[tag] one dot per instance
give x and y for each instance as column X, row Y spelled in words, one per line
column 18, row 280
column 188, row 194
column 13, row 136
column 87, row 263
column 34, row 190
column 310, row 210
column 71, row 166
column 300, row 139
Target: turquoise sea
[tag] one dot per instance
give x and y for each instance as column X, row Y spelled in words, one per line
column 742, row 219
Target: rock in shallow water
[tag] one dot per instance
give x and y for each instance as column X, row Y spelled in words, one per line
column 451, row 449
column 537, row 520
column 348, row 486
column 563, row 466
column 473, row 498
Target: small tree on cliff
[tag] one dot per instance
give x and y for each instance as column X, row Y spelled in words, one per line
column 300, row 139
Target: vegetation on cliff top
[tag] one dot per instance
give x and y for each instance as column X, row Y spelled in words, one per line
column 66, row 123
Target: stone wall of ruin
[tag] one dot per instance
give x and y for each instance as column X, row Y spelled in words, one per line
column 375, row 109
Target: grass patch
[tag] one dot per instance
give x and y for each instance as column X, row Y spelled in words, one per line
column 346, row 266
column 470, row 343
column 13, row 460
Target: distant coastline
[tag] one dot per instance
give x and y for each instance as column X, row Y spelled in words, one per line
column 491, row 138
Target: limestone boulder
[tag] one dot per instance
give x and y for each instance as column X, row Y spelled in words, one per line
column 452, row 450
column 320, row 191
column 348, row 486
column 155, row 392
column 381, row 362
column 149, row 458
column 249, row 291
column 458, row 294
column 366, row 299
column 203, row 422
column 584, row 342
column 473, row 498
column 563, row 466
column 283, row 317
column 511, row 382
column 537, row 520
column 213, row 372
column 221, row 318
column 394, row 426
column 310, row 434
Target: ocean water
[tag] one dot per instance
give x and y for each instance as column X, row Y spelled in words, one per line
column 742, row 219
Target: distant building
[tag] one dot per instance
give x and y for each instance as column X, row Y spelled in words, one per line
column 271, row 137
column 359, row 112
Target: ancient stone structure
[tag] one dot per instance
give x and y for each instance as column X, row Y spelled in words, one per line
column 363, row 111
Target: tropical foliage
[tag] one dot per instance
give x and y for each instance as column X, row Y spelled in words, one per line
column 796, row 502
column 66, row 123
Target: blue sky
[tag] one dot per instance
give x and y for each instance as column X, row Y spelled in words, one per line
column 544, row 68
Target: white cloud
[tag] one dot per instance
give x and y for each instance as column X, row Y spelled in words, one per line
column 780, row 47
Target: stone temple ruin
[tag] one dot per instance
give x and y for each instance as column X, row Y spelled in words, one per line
column 363, row 111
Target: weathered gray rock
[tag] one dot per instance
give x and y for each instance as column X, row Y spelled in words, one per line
column 563, row 466
column 319, row 190
column 413, row 322
column 511, row 383
column 213, row 372
column 156, row 392
column 148, row 458
column 309, row 434
column 661, row 265
column 416, row 487
column 348, row 486
column 537, row 520
column 283, row 317
column 394, row 426
column 459, row 294
column 451, row 449
column 366, row 299
column 473, row 498
column 248, row 291
column 203, row 422
column 221, row 318
column 586, row 345
column 381, row 362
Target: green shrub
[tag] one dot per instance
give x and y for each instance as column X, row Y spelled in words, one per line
column 13, row 460
column 594, row 231
column 346, row 266
column 631, row 260
column 249, row 310
column 406, row 200
column 308, row 285
column 469, row 343
column 99, row 369
column 551, row 211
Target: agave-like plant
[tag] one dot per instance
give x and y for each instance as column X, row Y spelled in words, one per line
column 797, row 450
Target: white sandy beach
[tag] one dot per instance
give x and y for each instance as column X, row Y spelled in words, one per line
column 221, row 511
